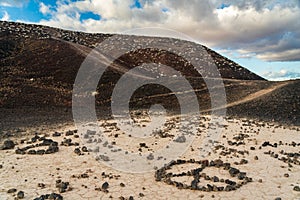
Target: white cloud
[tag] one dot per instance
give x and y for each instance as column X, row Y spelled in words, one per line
column 258, row 4
column 281, row 75
column 44, row 9
column 13, row 3
column 288, row 55
column 268, row 29
column 5, row 16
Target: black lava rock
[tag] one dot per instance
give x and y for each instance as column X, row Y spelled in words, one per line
column 215, row 179
column 8, row 144
column 40, row 152
column 122, row 184
column 84, row 149
column 56, row 134
column 105, row 185
column 12, row 190
column 52, row 196
column 52, row 149
column 233, row 171
column 47, row 142
column 32, row 152
column 241, row 175
column 77, row 151
column 62, row 186
column 141, row 195
column 297, row 188
column 194, row 184
column 20, row 195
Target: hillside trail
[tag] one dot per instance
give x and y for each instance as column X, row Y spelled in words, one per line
column 246, row 99
column 252, row 96
column 99, row 56
column 85, row 51
column 257, row 95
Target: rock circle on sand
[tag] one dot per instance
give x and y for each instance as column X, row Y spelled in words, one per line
column 164, row 176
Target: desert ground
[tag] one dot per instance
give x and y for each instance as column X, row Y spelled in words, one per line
column 251, row 160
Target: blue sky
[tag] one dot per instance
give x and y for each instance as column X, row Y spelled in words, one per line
column 263, row 36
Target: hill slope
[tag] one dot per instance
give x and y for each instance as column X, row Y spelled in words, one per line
column 38, row 66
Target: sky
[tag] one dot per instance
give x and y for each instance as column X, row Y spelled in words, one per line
column 263, row 36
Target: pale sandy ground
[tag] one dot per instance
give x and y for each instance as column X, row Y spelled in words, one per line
column 24, row 172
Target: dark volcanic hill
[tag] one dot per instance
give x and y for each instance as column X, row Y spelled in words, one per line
column 39, row 64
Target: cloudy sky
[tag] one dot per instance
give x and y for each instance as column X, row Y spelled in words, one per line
column 263, row 36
